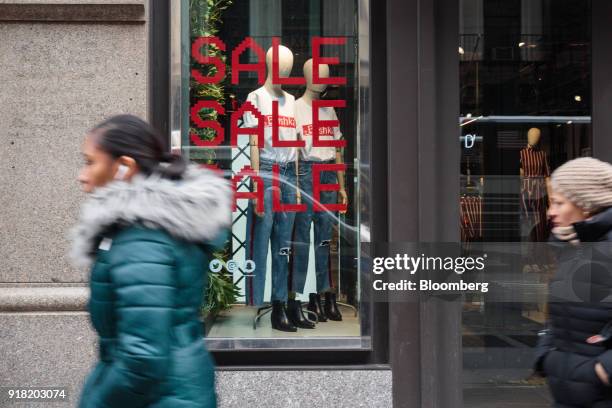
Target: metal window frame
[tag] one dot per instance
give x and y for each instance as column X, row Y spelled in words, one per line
column 166, row 95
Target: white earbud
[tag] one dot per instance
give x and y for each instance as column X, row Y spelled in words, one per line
column 121, row 172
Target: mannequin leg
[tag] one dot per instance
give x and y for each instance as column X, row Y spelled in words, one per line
column 281, row 235
column 258, row 234
column 300, row 250
column 280, row 259
column 322, row 240
column 323, row 223
column 301, row 233
column 280, row 244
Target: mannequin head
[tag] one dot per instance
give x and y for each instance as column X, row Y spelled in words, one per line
column 533, row 136
column 285, row 63
column 323, row 73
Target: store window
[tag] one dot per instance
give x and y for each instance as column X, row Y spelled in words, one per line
column 270, row 93
column 525, row 92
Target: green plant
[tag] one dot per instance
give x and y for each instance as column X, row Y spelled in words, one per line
column 221, row 293
column 205, row 18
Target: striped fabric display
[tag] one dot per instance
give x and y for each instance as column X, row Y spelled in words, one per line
column 534, row 202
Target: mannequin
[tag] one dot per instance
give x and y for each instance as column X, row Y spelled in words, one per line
column 322, row 220
column 268, row 226
column 535, row 187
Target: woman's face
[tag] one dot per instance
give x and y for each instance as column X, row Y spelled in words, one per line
column 98, row 167
column 563, row 212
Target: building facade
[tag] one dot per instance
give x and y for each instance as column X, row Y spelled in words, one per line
column 435, row 101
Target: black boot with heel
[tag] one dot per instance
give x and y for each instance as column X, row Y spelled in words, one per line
column 296, row 315
column 279, row 318
column 314, row 305
column 331, row 307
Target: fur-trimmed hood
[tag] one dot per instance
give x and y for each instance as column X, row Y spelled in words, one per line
column 196, row 209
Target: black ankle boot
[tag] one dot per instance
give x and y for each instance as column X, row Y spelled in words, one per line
column 314, row 305
column 331, row 307
column 279, row 318
column 296, row 315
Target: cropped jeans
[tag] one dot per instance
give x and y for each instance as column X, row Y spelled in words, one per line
column 323, row 222
column 272, row 228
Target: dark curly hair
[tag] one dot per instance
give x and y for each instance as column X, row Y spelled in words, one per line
column 128, row 135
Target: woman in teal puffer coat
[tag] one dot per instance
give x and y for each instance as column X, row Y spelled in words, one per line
column 146, row 232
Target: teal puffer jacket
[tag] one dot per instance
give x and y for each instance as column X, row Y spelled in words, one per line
column 148, row 243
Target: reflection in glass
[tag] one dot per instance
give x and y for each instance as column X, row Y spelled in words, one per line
column 525, row 80
column 283, row 273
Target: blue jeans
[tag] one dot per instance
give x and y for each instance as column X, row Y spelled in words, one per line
column 273, row 228
column 323, row 222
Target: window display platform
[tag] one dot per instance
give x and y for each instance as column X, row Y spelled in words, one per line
column 238, row 322
column 233, row 330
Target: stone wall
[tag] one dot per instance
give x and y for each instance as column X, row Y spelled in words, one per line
column 64, row 65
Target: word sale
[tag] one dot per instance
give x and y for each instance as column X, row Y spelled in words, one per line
column 200, row 52
column 277, row 205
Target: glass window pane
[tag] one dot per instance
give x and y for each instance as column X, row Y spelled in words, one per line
column 292, row 263
column 525, row 92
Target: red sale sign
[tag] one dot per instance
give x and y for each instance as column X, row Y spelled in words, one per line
column 275, row 121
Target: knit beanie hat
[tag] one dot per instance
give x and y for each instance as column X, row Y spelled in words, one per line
column 587, row 182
